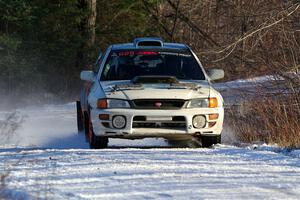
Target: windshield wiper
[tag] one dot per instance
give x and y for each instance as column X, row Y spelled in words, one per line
column 155, row 79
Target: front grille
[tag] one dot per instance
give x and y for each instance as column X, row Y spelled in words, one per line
column 175, row 122
column 158, row 103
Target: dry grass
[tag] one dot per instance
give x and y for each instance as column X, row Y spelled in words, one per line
column 3, row 184
column 273, row 120
column 8, row 127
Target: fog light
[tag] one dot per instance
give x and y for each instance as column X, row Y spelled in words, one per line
column 199, row 121
column 119, row 121
column 104, row 116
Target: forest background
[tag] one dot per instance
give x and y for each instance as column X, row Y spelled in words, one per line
column 45, row 44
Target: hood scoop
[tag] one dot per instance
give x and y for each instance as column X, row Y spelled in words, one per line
column 154, row 79
column 126, row 87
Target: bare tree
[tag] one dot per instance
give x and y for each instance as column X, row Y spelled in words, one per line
column 240, row 36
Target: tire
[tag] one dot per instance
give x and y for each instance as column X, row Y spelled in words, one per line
column 208, row 141
column 96, row 142
column 80, row 120
column 86, row 126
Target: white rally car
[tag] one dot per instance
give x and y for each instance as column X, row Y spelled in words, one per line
column 149, row 88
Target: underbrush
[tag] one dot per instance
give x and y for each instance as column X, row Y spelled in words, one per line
column 8, row 127
column 273, row 120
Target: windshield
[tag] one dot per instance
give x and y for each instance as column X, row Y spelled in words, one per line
column 127, row 64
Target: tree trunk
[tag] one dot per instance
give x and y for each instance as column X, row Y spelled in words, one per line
column 91, row 21
column 87, row 30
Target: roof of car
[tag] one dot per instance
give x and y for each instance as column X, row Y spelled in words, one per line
column 165, row 46
column 135, row 45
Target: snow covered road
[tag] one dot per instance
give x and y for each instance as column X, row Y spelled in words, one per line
column 47, row 159
column 130, row 173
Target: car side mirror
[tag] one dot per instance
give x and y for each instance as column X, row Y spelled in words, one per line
column 215, row 74
column 87, row 75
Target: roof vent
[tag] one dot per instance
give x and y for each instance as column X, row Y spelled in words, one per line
column 148, row 42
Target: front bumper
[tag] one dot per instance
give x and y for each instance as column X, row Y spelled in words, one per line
column 105, row 127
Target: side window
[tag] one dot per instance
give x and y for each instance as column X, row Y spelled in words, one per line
column 110, row 67
column 106, row 70
column 96, row 66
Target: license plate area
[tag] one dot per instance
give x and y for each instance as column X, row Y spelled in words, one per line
column 158, row 118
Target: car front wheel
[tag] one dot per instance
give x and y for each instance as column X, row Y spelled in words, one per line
column 96, row 142
column 79, row 117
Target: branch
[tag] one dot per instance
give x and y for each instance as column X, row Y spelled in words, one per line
column 234, row 44
column 193, row 26
column 175, row 20
column 147, row 7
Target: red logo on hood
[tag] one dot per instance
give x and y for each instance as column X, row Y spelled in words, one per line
column 158, row 104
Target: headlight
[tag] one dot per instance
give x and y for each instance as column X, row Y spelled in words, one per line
column 198, row 103
column 203, row 103
column 112, row 103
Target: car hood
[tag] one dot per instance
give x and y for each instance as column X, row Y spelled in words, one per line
column 182, row 90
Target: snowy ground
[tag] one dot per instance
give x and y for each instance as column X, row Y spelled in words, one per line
column 47, row 159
